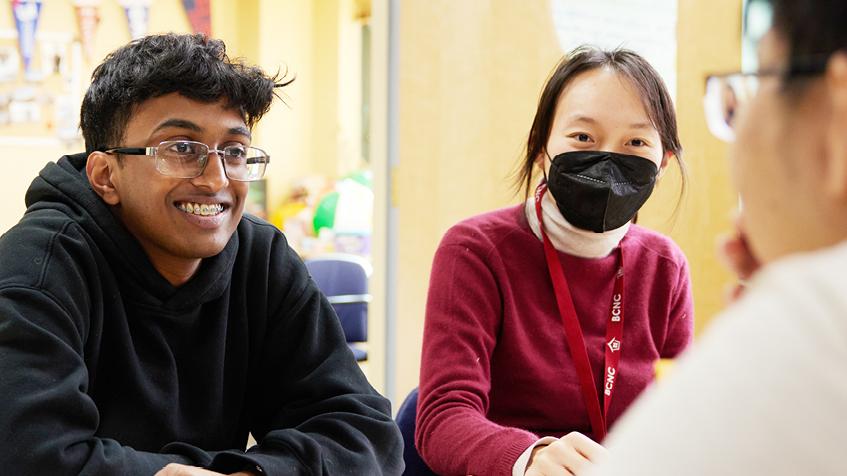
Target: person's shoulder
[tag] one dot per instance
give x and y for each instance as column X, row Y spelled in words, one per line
column 258, row 234
column 795, row 306
column 258, row 226
column 35, row 229
column 39, row 239
column 823, row 266
column 781, row 345
column 487, row 230
column 263, row 245
column 810, row 284
column 655, row 244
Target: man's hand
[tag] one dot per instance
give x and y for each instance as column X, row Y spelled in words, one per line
column 570, row 455
column 175, row 469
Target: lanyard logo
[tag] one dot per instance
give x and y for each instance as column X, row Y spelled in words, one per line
column 614, row 345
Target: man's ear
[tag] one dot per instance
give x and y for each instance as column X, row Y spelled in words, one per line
column 835, row 145
column 100, row 169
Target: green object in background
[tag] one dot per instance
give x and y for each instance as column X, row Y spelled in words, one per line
column 364, row 177
column 325, row 212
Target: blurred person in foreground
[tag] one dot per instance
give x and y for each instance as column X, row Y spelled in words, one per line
column 146, row 324
column 764, row 390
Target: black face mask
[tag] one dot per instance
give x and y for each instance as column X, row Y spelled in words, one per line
column 600, row 191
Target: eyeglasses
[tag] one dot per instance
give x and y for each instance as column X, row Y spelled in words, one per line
column 188, row 159
column 727, row 94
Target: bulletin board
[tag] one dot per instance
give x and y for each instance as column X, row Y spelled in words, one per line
column 45, row 65
column 40, row 92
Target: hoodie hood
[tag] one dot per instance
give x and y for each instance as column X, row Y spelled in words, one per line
column 63, row 186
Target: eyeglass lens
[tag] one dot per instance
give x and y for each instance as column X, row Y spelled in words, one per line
column 185, row 159
column 725, row 97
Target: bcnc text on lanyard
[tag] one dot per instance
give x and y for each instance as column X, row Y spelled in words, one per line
column 573, row 331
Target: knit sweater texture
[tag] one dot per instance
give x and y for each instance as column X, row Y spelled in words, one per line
column 496, row 370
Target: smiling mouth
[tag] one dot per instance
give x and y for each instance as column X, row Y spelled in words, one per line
column 201, row 209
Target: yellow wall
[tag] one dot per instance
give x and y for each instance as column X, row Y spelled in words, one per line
column 470, row 76
column 280, row 36
column 235, row 23
column 377, row 313
column 300, row 38
column 709, row 41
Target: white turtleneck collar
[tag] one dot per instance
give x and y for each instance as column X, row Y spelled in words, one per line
column 568, row 238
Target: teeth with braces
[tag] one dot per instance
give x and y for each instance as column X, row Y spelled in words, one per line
column 201, row 208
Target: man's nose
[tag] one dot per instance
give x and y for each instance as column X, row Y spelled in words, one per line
column 214, row 175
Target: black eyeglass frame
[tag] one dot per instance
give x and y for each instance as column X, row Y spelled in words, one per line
column 153, row 151
column 798, row 68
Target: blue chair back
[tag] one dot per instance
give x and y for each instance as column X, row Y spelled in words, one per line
column 415, row 466
column 344, row 281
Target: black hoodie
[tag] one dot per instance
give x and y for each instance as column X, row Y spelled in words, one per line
column 108, row 369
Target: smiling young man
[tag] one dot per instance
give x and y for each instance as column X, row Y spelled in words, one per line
column 764, row 391
column 146, row 324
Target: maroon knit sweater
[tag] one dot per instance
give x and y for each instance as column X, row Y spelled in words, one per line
column 496, row 372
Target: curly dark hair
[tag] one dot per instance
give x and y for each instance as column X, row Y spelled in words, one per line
column 194, row 66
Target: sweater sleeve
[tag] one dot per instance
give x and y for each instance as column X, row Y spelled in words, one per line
column 681, row 319
column 314, row 412
column 463, row 319
column 48, row 421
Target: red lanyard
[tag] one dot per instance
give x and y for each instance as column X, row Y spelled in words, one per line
column 573, row 331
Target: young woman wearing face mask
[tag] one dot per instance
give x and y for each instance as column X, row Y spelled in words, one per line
column 544, row 321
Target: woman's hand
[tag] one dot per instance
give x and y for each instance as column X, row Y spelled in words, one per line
column 570, row 455
column 737, row 256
